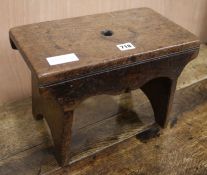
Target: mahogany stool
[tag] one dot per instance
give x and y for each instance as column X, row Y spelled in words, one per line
column 73, row 59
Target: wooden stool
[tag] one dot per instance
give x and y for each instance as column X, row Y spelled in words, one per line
column 73, row 59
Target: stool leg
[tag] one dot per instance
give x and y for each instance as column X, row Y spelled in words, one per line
column 60, row 124
column 160, row 92
column 62, row 138
column 36, row 100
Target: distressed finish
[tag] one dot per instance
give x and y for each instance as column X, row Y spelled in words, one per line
column 180, row 149
column 162, row 51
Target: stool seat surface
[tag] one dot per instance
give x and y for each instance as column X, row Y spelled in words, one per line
column 152, row 35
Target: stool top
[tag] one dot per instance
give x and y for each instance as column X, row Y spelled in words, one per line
column 98, row 43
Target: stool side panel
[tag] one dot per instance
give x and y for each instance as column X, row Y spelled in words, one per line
column 117, row 81
column 157, row 81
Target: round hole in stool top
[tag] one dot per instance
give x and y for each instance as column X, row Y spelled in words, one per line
column 107, row 33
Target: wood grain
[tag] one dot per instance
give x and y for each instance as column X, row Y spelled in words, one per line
column 162, row 49
column 183, row 143
column 152, row 35
column 15, row 76
column 178, row 150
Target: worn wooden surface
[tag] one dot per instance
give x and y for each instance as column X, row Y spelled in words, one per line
column 152, row 35
column 16, row 83
column 162, row 49
column 26, row 146
column 180, row 149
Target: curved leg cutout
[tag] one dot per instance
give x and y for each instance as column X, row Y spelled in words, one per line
column 60, row 124
column 160, row 92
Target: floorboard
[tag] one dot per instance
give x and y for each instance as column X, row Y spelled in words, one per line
column 26, row 147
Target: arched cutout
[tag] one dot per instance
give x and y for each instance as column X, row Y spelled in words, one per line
column 102, row 107
column 160, row 92
column 103, row 120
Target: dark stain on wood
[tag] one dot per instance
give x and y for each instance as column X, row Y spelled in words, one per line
column 166, row 154
column 162, row 51
column 155, row 36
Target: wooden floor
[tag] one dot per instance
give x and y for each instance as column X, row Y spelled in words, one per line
column 181, row 148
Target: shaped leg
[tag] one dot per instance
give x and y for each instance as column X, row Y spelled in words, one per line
column 60, row 124
column 160, row 92
column 62, row 138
